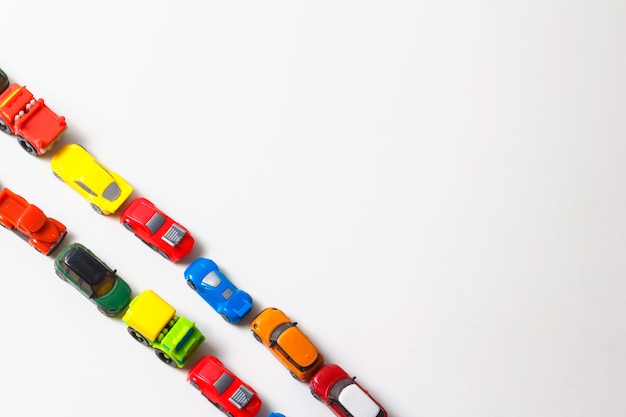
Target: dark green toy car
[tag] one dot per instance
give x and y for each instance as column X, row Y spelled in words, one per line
column 4, row 81
column 93, row 278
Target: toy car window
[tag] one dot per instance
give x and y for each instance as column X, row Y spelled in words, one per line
column 155, row 222
column 222, row 383
column 105, row 285
column 112, row 192
column 278, row 331
column 85, row 266
column 338, row 388
column 85, row 287
column 211, row 279
column 227, row 293
column 84, row 187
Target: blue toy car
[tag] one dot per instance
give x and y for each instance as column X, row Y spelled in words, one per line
column 275, row 414
column 204, row 277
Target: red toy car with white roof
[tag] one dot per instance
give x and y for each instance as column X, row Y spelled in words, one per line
column 343, row 395
column 222, row 388
column 157, row 229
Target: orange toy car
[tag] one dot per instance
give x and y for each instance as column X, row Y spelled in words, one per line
column 28, row 221
column 293, row 348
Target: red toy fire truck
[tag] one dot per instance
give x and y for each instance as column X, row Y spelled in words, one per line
column 35, row 126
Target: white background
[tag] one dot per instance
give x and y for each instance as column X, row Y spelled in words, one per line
column 435, row 191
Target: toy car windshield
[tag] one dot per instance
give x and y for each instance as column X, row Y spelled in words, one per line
column 222, row 383
column 155, row 222
column 212, row 279
column 112, row 192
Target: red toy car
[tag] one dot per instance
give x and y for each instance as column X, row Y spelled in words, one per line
column 222, row 388
column 334, row 387
column 157, row 229
column 27, row 220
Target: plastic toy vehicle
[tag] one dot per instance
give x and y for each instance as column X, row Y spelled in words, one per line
column 157, row 230
column 204, row 277
column 223, row 389
column 293, row 348
column 33, row 123
column 93, row 278
column 4, row 81
column 275, row 414
column 343, row 395
column 28, row 221
column 153, row 322
column 103, row 188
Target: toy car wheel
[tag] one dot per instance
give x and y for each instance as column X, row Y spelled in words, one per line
column 294, row 375
column 96, row 209
column 225, row 317
column 5, row 128
column 103, row 311
column 57, row 176
column 165, row 358
column 163, row 254
column 137, row 336
column 128, row 227
column 195, row 385
column 223, row 410
column 257, row 337
column 314, row 394
column 191, row 284
column 27, row 146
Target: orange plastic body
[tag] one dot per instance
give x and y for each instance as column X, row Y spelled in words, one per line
column 30, row 119
column 42, row 232
column 287, row 342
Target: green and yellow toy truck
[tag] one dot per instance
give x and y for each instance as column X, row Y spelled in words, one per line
column 153, row 322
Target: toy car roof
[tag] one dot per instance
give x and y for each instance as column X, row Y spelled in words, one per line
column 357, row 402
column 85, row 265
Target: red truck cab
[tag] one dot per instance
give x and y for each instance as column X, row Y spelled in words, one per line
column 28, row 221
column 35, row 126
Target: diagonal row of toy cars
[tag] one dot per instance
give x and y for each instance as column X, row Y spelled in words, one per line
column 150, row 320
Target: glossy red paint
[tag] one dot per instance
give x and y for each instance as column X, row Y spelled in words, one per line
column 222, row 388
column 342, row 394
column 157, row 229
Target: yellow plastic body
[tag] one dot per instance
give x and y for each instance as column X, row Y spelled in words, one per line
column 149, row 314
column 89, row 178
